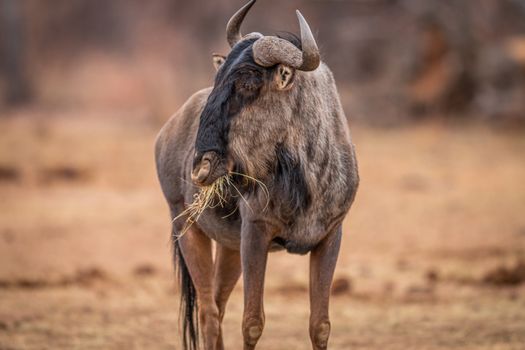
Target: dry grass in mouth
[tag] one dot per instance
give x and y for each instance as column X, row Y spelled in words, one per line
column 213, row 196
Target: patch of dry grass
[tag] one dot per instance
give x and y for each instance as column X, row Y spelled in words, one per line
column 436, row 206
column 216, row 195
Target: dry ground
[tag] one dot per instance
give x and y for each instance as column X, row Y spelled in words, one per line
column 429, row 260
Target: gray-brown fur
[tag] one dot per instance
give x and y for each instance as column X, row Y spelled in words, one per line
column 292, row 136
column 309, row 122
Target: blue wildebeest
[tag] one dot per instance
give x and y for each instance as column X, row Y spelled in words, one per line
column 273, row 114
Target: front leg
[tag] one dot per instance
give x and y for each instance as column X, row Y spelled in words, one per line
column 196, row 250
column 323, row 259
column 226, row 274
column 255, row 242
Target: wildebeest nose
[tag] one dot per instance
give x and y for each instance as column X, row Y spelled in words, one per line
column 201, row 172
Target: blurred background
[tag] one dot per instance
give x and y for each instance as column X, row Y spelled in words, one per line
column 395, row 60
column 434, row 248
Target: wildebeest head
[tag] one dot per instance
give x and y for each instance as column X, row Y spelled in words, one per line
column 257, row 65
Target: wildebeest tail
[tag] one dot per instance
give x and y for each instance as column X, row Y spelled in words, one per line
column 188, row 301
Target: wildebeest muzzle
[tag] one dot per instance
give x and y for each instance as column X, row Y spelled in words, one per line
column 208, row 168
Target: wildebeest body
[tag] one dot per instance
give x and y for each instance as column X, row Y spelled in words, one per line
column 304, row 156
column 274, row 124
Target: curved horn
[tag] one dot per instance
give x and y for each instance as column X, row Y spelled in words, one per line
column 311, row 58
column 233, row 28
column 270, row 50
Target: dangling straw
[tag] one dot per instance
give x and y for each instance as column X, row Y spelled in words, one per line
column 213, row 196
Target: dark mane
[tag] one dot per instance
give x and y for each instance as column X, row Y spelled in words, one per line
column 290, row 183
column 238, row 55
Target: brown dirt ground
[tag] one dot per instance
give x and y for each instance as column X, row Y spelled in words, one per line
column 429, row 260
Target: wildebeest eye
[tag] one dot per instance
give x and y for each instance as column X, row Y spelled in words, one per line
column 248, row 83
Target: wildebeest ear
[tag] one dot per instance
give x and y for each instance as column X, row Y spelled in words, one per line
column 284, row 77
column 218, row 60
